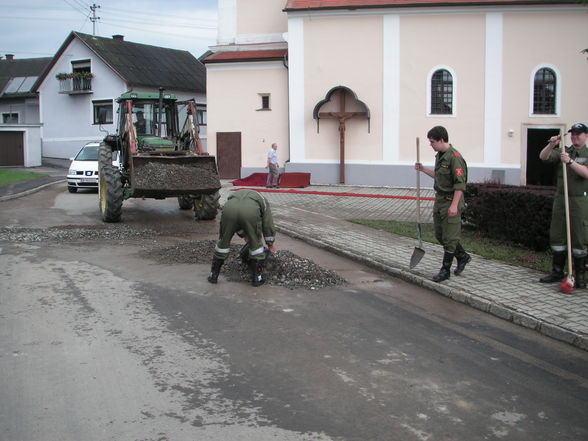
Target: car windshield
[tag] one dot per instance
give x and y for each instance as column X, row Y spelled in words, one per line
column 88, row 153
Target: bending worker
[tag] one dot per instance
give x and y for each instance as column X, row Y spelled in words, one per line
column 576, row 159
column 450, row 175
column 248, row 214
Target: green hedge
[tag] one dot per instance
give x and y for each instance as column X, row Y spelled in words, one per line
column 517, row 214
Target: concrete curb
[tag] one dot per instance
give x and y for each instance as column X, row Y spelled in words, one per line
column 30, row 191
column 498, row 310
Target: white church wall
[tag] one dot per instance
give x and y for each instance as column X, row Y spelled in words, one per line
column 237, row 90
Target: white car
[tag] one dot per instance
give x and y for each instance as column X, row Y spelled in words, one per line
column 83, row 171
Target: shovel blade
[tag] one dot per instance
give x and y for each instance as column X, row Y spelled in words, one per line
column 416, row 257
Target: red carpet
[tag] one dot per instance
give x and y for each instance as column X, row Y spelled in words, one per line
column 336, row 193
column 253, row 180
column 287, row 180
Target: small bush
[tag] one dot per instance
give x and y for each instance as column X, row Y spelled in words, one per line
column 516, row 214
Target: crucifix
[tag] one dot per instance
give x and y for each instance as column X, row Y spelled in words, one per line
column 342, row 116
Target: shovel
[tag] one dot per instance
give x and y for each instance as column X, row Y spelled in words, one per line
column 418, row 252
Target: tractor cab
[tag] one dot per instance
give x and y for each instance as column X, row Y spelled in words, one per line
column 154, row 118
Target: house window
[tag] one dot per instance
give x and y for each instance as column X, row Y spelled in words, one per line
column 441, row 93
column 80, row 66
column 265, row 101
column 201, row 117
column 102, row 111
column 10, row 118
column 544, row 92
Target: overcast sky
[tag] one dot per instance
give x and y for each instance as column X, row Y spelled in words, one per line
column 37, row 28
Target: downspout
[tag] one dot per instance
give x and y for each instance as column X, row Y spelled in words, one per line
column 285, row 62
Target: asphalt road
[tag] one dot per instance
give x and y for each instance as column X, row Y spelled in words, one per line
column 98, row 342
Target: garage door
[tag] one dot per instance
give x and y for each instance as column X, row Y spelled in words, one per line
column 11, row 149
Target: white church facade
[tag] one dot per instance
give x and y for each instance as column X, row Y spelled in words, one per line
column 346, row 87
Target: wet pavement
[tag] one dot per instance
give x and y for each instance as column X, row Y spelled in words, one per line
column 317, row 215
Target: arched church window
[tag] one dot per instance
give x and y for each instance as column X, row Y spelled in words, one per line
column 544, row 92
column 441, row 93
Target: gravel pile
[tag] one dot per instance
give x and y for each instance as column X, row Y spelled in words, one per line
column 74, row 233
column 282, row 269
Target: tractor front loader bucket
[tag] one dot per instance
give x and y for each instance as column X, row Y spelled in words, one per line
column 168, row 176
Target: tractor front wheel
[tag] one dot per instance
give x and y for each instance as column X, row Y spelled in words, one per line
column 206, row 206
column 104, row 156
column 185, row 202
column 110, row 193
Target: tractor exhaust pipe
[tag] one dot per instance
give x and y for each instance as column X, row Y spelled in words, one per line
column 159, row 120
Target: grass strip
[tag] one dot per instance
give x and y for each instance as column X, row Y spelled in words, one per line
column 11, row 176
column 472, row 241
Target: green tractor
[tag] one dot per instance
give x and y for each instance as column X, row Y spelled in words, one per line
column 157, row 158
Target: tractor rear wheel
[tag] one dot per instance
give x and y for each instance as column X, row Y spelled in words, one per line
column 185, row 202
column 206, row 206
column 110, row 193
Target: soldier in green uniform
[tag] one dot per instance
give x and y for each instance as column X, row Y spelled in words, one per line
column 450, row 176
column 576, row 158
column 248, row 214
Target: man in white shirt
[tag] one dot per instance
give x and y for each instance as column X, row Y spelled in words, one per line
column 273, row 166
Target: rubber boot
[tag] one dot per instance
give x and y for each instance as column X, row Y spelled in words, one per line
column 557, row 271
column 580, row 268
column 462, row 258
column 256, row 267
column 215, row 269
column 445, row 271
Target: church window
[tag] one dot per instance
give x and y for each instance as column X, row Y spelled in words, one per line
column 441, row 93
column 544, row 92
column 265, row 101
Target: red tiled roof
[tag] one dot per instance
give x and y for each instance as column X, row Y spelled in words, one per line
column 265, row 55
column 294, row 5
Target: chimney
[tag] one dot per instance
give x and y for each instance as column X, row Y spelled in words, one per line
column 118, row 37
column 10, row 56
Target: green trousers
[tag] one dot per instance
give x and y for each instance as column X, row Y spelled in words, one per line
column 241, row 216
column 578, row 225
column 447, row 229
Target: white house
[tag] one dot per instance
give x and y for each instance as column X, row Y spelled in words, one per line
column 346, row 86
column 78, row 89
column 20, row 128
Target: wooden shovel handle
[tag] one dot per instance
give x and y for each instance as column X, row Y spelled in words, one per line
column 562, row 146
column 418, row 184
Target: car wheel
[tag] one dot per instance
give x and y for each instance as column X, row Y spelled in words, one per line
column 72, row 189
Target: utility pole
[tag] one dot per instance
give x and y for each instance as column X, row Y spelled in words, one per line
column 94, row 18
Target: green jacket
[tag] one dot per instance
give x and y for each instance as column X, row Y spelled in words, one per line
column 451, row 172
column 577, row 185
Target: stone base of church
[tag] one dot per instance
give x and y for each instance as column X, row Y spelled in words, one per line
column 394, row 175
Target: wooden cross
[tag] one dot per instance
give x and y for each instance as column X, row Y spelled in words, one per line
column 342, row 116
